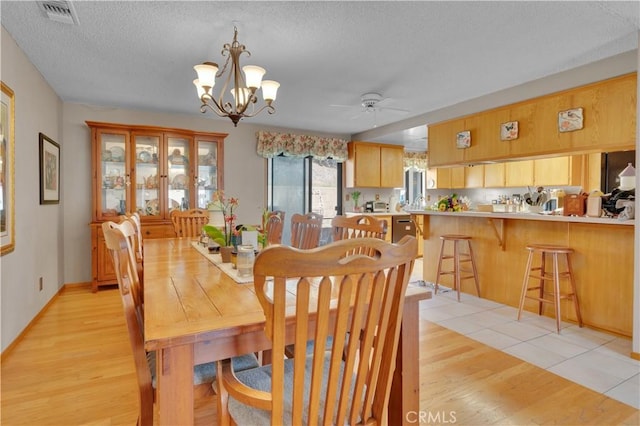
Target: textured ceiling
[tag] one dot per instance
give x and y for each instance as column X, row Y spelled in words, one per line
column 421, row 56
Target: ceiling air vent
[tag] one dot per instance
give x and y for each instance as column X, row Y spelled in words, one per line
column 59, row 11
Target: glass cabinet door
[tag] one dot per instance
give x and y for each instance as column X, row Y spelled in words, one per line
column 146, row 198
column 178, row 183
column 207, row 171
column 113, row 175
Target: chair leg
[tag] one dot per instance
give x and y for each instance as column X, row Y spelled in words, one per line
column 574, row 291
column 435, row 291
column 525, row 283
column 473, row 267
column 543, row 272
column 556, row 289
column 456, row 267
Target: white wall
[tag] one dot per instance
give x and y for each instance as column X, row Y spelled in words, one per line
column 39, row 228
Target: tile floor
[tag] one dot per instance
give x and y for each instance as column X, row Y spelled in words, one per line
column 596, row 360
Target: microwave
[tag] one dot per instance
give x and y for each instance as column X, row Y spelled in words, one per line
column 379, row 206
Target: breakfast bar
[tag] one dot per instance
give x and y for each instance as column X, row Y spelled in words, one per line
column 602, row 262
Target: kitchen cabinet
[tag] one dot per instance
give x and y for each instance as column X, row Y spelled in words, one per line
column 494, row 175
column 565, row 171
column 609, row 109
column 518, row 173
column 474, row 176
column 372, row 165
column 152, row 171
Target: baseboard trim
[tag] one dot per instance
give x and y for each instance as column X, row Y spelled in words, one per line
column 635, row 355
column 20, row 336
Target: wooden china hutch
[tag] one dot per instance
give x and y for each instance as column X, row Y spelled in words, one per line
column 152, row 171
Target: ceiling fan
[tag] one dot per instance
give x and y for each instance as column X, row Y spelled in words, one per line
column 372, row 103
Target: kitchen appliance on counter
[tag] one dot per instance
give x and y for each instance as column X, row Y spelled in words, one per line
column 402, row 225
column 379, row 207
column 368, row 206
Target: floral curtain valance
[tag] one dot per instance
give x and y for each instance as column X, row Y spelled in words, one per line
column 271, row 144
column 417, row 160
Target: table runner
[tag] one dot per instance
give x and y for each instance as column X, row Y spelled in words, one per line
column 216, row 259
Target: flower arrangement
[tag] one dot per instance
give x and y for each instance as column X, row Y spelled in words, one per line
column 452, row 203
column 224, row 236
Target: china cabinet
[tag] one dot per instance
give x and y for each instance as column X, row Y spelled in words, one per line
column 152, row 171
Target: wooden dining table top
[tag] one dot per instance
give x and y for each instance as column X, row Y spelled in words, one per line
column 189, row 299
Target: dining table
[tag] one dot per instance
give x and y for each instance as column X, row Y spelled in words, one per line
column 195, row 312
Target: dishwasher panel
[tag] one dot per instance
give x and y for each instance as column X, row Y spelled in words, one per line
column 402, row 225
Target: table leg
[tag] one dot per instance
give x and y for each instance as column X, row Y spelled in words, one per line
column 404, row 401
column 175, row 385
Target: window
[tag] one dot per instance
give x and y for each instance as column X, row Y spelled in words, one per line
column 302, row 185
column 413, row 184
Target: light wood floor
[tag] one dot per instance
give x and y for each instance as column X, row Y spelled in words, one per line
column 74, row 367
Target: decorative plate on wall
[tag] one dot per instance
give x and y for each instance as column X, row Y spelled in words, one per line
column 570, row 120
column 463, row 139
column 509, row 131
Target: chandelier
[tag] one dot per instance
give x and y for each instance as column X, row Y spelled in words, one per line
column 243, row 87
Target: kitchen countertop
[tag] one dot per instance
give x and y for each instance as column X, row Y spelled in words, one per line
column 525, row 216
column 403, row 213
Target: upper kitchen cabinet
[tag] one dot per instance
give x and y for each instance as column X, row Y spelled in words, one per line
column 442, row 143
column 374, row 165
column 608, row 124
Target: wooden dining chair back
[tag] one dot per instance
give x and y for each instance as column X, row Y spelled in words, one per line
column 336, row 296
column 119, row 248
column 189, row 223
column 305, row 230
column 361, row 226
column 134, row 218
column 274, row 227
column 126, row 266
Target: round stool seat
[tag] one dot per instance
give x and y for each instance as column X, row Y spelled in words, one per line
column 451, row 237
column 549, row 248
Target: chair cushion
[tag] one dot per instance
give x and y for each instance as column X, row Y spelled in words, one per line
column 206, row 373
column 260, row 379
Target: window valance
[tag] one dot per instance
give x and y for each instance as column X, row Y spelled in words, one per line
column 416, row 160
column 271, row 144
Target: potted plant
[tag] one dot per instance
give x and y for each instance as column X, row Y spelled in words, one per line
column 224, row 235
column 355, row 195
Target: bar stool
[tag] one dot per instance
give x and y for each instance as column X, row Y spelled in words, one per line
column 541, row 274
column 458, row 258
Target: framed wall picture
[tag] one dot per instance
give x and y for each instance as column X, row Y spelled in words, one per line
column 7, row 171
column 570, row 120
column 463, row 139
column 49, row 171
column 509, row 131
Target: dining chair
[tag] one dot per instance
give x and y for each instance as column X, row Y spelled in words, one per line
column 274, row 227
column 305, row 230
column 134, row 219
column 129, row 269
column 123, row 257
column 189, row 223
column 335, row 294
column 361, row 226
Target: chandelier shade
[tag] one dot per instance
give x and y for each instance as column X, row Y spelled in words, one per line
column 242, row 85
